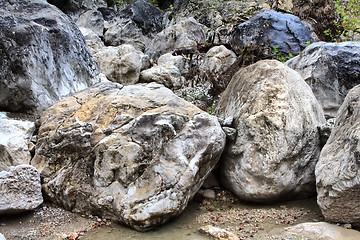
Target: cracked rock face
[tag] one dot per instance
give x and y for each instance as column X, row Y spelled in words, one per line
column 277, row 145
column 269, row 29
column 331, row 70
column 136, row 153
column 43, row 56
column 20, row 189
column 338, row 169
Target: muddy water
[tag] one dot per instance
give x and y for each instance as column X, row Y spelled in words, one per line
column 248, row 221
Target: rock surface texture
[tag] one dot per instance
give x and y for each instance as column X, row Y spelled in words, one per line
column 184, row 34
column 269, row 29
column 169, row 76
column 331, row 70
column 43, row 56
column 322, row 231
column 137, row 154
column 338, row 169
column 277, row 144
column 136, row 24
column 121, row 64
column 15, row 137
column 20, row 189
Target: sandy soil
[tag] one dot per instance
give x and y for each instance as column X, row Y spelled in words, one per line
column 248, row 221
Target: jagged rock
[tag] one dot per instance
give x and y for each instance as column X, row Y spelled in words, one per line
column 136, row 25
column 44, row 56
column 218, row 233
column 325, row 130
column 93, row 20
column 93, row 41
column 15, row 137
column 186, row 33
column 169, row 76
column 331, row 70
column 181, row 62
column 320, row 231
column 220, row 16
column 269, row 29
column 338, row 169
column 20, row 189
column 136, row 153
column 75, row 5
column 121, row 64
column 277, row 145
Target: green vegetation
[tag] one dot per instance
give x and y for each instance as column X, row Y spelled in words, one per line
column 211, row 109
column 276, row 54
column 347, row 22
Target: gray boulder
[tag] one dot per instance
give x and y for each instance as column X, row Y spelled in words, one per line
column 269, row 29
column 15, row 137
column 136, row 153
column 184, row 34
column 181, row 62
column 121, row 64
column 277, row 144
column 319, row 231
column 92, row 40
column 20, row 189
column 216, row 61
column 331, row 70
column 43, row 56
column 169, row 76
column 93, row 20
column 338, row 169
column 136, row 24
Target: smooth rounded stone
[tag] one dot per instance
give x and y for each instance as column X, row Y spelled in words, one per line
column 44, row 56
column 2, row 237
column 331, row 70
column 20, row 189
column 269, row 29
column 277, row 145
column 207, row 194
column 169, row 76
column 182, row 63
column 137, row 153
column 184, row 34
column 338, row 169
column 217, row 60
column 15, row 137
column 321, row 231
column 93, row 20
column 218, row 233
column 121, row 64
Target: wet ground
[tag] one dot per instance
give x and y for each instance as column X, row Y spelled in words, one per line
column 248, row 221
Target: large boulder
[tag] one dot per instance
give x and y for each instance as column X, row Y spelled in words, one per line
column 269, row 30
column 136, row 24
column 338, row 169
column 277, row 146
column 137, row 154
column 20, row 189
column 169, row 76
column 184, row 34
column 319, row 231
column 43, row 56
column 121, row 64
column 331, row 70
column 93, row 20
column 15, row 137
